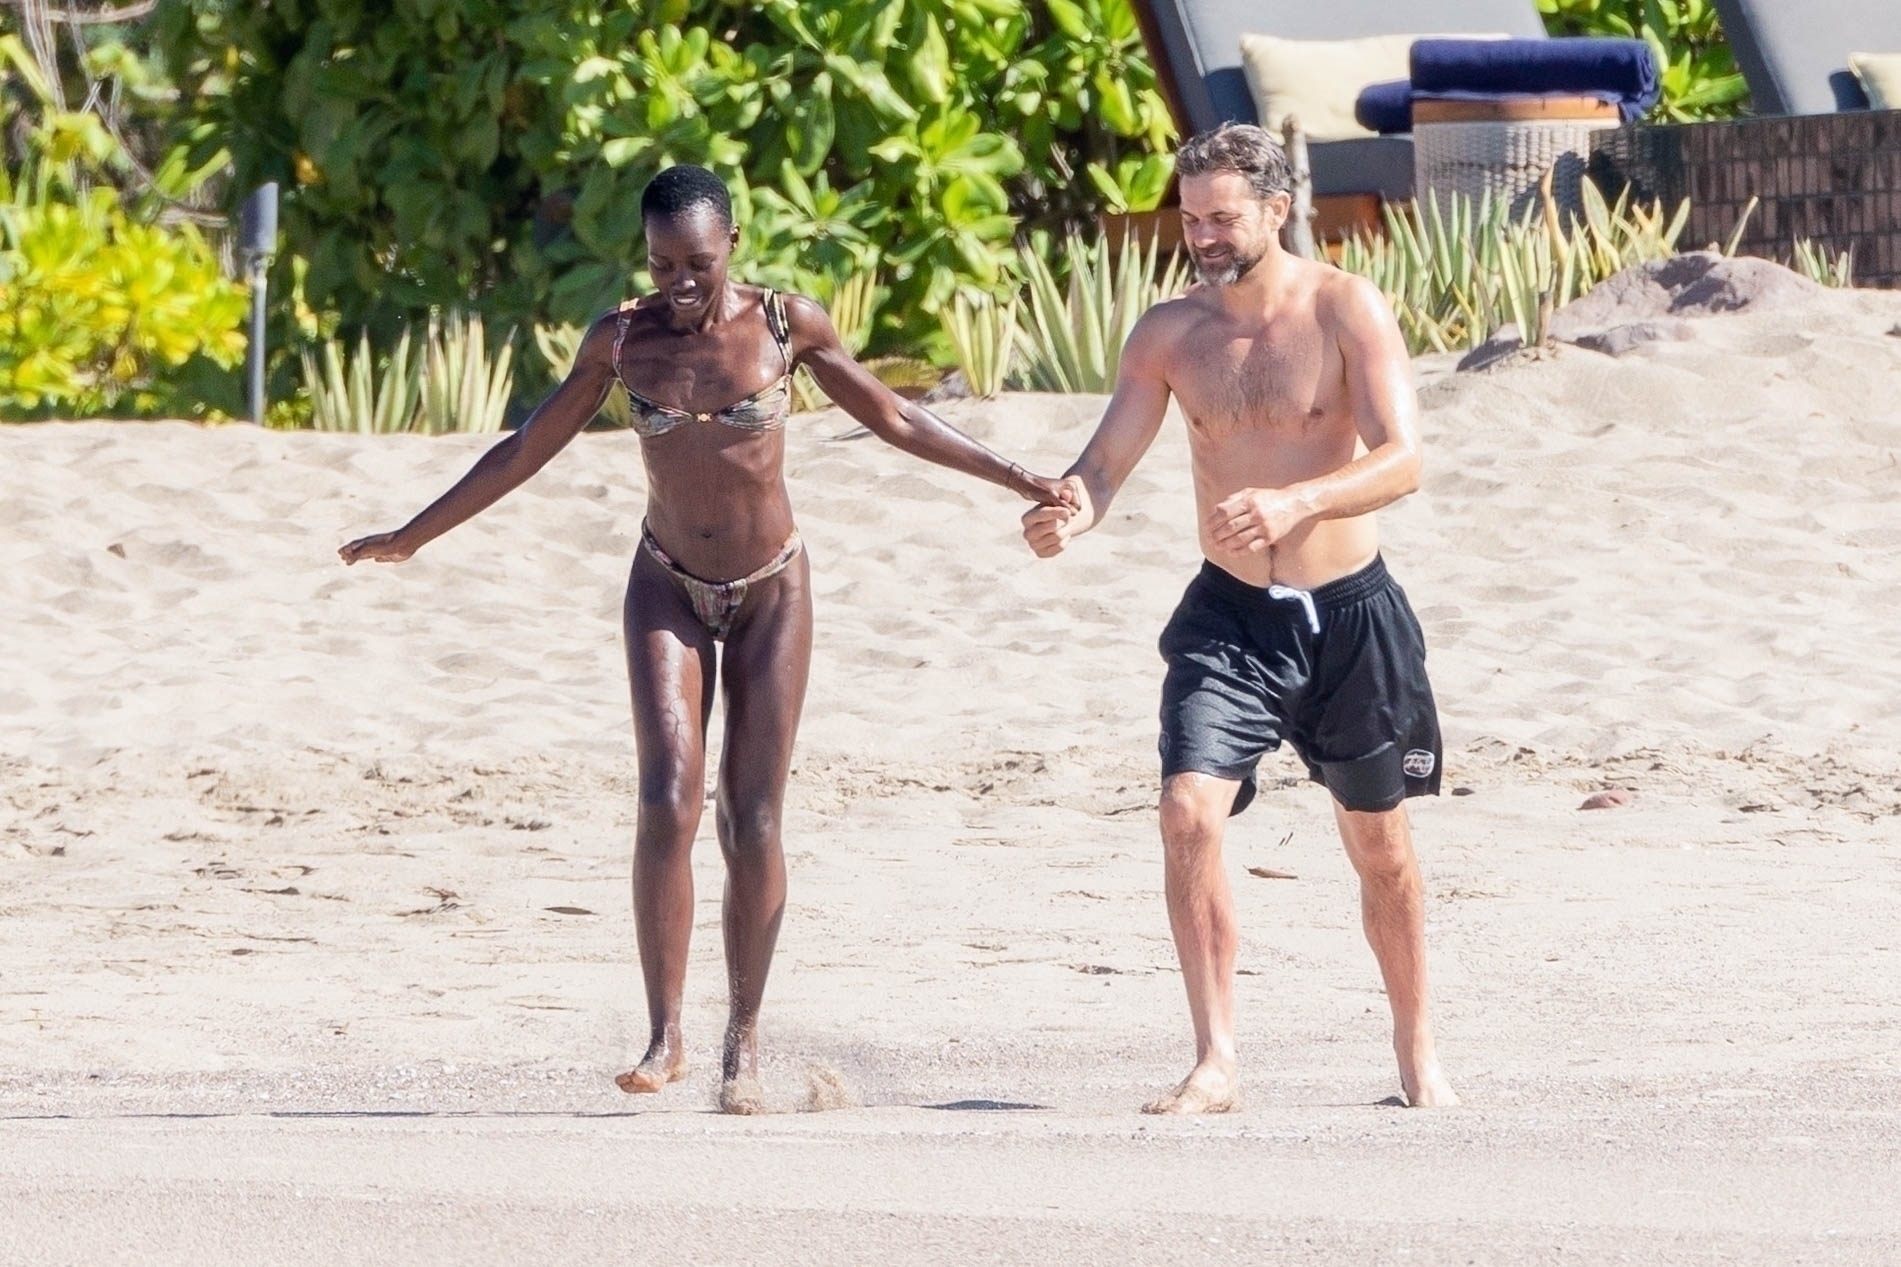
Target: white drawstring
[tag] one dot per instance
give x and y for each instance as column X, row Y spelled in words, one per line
column 1302, row 597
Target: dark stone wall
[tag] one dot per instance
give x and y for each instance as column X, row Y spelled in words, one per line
column 1833, row 178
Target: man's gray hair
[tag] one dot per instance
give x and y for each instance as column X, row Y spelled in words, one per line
column 1238, row 147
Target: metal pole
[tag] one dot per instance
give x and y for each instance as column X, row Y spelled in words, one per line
column 260, row 279
column 257, row 243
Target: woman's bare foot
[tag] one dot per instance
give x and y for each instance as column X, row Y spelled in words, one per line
column 742, row 1095
column 1426, row 1087
column 739, row 1089
column 664, row 1062
column 1208, row 1088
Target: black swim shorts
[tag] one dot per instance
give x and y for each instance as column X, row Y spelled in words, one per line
column 1339, row 672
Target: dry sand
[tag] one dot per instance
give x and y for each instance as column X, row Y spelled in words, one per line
column 314, row 933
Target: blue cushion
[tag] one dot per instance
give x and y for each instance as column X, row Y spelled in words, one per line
column 1619, row 69
column 1386, row 108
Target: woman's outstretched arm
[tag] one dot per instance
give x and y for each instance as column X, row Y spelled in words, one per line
column 899, row 422
column 510, row 462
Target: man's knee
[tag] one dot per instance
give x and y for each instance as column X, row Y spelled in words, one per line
column 1379, row 844
column 1194, row 813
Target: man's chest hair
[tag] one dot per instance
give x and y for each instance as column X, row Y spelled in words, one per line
column 1280, row 377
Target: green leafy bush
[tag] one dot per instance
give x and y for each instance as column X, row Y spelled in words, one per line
column 104, row 317
column 85, row 108
column 111, row 301
column 489, row 153
column 1700, row 79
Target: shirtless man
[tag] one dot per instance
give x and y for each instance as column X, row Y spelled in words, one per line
column 1301, row 423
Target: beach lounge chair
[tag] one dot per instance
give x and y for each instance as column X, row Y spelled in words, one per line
column 1196, row 47
column 1794, row 53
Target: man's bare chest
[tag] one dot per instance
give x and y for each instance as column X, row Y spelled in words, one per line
column 1275, row 380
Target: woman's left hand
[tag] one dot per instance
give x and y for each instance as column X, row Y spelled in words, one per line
column 1048, row 492
column 384, row 547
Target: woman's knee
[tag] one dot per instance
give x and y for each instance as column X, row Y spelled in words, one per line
column 669, row 816
column 750, row 832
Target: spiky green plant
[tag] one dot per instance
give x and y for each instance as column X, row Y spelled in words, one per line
column 354, row 393
column 463, row 387
column 1070, row 339
column 559, row 345
column 1457, row 271
column 853, row 306
column 1819, row 264
column 981, row 329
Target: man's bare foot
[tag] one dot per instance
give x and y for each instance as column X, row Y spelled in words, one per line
column 1427, row 1088
column 742, row 1095
column 1208, row 1088
column 663, row 1063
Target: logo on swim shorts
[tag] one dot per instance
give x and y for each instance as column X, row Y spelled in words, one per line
column 1418, row 764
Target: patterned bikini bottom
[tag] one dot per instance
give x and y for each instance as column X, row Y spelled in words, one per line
column 716, row 603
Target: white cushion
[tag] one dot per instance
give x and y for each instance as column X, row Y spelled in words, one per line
column 1317, row 81
column 1880, row 75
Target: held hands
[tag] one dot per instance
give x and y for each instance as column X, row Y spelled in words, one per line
column 1049, row 527
column 384, row 547
column 1253, row 520
column 1043, row 491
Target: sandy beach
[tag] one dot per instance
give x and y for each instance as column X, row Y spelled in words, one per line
column 314, row 931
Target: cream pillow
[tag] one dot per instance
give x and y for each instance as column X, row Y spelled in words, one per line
column 1880, row 75
column 1317, row 81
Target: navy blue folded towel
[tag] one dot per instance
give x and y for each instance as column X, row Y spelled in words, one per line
column 1623, row 69
column 1386, row 108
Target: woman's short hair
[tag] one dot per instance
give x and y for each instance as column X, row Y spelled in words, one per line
column 1237, row 147
column 678, row 191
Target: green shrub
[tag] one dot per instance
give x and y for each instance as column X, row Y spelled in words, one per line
column 489, row 153
column 104, row 317
column 106, row 309
column 1700, row 79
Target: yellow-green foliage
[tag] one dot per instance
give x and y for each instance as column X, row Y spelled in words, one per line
column 103, row 317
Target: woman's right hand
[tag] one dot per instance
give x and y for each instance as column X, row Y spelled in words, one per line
column 384, row 547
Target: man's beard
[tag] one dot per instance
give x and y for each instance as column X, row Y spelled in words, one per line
column 1231, row 271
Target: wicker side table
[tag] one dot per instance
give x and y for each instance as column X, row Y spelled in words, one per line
column 1504, row 146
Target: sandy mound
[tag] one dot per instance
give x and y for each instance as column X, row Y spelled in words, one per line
column 1657, row 301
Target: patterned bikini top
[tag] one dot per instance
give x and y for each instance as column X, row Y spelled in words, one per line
column 764, row 410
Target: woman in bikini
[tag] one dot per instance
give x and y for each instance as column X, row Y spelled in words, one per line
column 707, row 363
